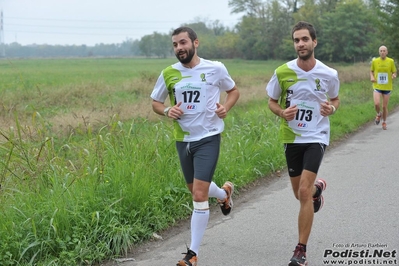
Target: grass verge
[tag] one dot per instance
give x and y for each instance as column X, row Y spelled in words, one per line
column 93, row 194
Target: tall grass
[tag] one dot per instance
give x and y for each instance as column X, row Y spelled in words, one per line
column 93, row 192
column 87, row 199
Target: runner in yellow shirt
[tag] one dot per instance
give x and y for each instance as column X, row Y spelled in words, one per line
column 382, row 72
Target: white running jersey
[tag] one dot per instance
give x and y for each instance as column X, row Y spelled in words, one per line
column 291, row 85
column 198, row 89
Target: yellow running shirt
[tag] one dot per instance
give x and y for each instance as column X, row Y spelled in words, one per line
column 383, row 70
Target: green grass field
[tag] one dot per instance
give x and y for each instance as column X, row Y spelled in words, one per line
column 88, row 171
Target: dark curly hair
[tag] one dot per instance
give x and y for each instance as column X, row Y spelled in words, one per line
column 191, row 33
column 304, row 25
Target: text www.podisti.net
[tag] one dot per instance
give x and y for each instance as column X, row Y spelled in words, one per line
column 360, row 257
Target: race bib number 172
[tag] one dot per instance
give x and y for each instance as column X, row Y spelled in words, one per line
column 192, row 96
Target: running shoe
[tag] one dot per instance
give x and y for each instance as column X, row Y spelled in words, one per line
column 299, row 258
column 377, row 119
column 189, row 260
column 227, row 204
column 384, row 126
column 318, row 202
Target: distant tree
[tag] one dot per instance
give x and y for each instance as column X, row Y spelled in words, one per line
column 278, row 27
column 388, row 12
column 328, row 5
column 252, row 33
column 251, row 8
column 200, row 28
column 252, row 28
column 218, row 28
column 311, row 12
column 347, row 32
column 263, row 28
column 207, row 46
column 207, row 36
column 156, row 44
column 161, row 45
column 135, row 47
column 290, row 5
column 146, row 45
column 226, row 46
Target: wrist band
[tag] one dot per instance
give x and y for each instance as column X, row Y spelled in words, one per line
column 333, row 109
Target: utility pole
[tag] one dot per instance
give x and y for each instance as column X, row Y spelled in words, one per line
column 2, row 44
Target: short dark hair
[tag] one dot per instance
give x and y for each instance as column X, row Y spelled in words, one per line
column 191, row 33
column 304, row 25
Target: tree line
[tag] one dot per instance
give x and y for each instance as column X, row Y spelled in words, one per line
column 126, row 48
column 347, row 31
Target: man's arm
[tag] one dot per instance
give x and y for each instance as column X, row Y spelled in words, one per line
column 275, row 107
column 372, row 79
column 172, row 112
column 230, row 101
column 288, row 114
column 158, row 107
column 231, row 98
column 334, row 105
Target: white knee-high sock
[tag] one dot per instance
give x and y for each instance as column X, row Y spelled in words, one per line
column 216, row 192
column 199, row 222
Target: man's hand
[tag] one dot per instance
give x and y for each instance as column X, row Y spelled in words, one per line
column 175, row 112
column 220, row 111
column 289, row 113
column 326, row 109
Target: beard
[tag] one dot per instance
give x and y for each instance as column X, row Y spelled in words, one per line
column 189, row 56
column 305, row 56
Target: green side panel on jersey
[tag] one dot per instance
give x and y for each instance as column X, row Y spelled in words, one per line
column 171, row 77
column 286, row 78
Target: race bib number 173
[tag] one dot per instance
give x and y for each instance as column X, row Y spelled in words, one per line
column 306, row 117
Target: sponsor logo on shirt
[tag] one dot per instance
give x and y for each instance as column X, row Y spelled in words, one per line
column 317, row 81
column 191, row 106
column 302, row 125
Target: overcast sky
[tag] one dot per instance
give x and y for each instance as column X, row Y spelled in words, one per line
column 90, row 22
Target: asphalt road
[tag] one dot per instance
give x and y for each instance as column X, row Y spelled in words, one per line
column 358, row 225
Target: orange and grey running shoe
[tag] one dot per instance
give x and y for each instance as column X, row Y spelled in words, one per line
column 384, row 125
column 377, row 119
column 227, row 204
column 318, row 201
column 189, row 260
column 299, row 258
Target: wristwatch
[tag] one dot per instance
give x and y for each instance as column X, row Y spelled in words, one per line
column 166, row 111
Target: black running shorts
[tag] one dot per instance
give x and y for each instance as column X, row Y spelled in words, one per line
column 303, row 156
